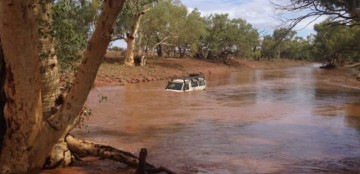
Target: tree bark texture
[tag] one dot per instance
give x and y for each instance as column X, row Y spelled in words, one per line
column 129, row 59
column 143, row 60
column 50, row 89
column 22, row 112
column 60, row 155
column 85, row 148
column 28, row 138
column 2, row 96
column 159, row 48
column 64, row 120
column 139, row 48
column 49, row 64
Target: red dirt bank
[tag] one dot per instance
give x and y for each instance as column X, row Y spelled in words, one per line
column 111, row 74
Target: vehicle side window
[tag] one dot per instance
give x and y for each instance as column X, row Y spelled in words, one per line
column 186, row 87
column 202, row 83
column 194, row 83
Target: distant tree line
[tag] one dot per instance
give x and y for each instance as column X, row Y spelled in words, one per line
column 166, row 28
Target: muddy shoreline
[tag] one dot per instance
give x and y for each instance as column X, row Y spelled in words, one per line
column 115, row 74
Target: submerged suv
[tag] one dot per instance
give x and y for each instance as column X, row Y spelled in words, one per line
column 191, row 83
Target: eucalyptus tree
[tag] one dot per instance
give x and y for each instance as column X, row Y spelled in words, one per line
column 127, row 29
column 190, row 33
column 176, row 27
column 229, row 36
column 282, row 38
column 247, row 38
column 267, row 47
column 217, row 26
column 29, row 135
column 298, row 48
column 196, row 27
column 336, row 43
column 163, row 25
column 284, row 43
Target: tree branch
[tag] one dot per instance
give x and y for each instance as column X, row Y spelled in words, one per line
column 61, row 123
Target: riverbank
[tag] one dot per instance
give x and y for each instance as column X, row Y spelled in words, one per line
column 114, row 74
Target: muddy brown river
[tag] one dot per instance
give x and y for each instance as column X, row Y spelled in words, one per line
column 295, row 120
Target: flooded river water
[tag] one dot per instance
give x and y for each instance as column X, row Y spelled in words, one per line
column 296, row 120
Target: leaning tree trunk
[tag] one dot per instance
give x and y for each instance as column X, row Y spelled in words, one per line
column 67, row 116
column 28, row 138
column 130, row 40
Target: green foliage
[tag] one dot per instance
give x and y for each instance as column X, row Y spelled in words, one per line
column 298, row 48
column 267, row 47
column 165, row 23
column 190, row 34
column 194, row 30
column 336, row 42
column 72, row 22
column 169, row 25
column 127, row 17
column 284, row 44
column 234, row 36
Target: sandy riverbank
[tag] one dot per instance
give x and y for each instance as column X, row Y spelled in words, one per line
column 113, row 73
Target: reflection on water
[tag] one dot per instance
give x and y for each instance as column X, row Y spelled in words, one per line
column 296, row 120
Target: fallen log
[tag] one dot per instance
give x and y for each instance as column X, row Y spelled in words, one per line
column 84, row 148
column 354, row 65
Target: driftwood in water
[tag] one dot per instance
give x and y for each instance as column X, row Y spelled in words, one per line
column 84, row 148
column 142, row 161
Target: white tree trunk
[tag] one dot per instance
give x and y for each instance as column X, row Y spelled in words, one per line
column 28, row 138
column 23, row 112
column 129, row 59
column 50, row 89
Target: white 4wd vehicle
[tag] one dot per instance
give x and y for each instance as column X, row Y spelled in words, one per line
column 191, row 83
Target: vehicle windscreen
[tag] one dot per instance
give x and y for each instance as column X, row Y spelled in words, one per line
column 174, row 86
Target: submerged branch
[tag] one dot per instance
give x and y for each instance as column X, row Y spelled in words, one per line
column 84, row 148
